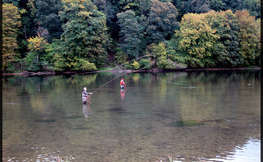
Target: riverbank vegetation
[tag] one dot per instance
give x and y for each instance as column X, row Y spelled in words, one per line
column 85, row 35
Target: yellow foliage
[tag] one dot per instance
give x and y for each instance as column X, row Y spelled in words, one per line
column 37, row 43
column 11, row 23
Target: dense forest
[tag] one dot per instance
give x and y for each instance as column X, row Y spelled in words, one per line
column 85, row 35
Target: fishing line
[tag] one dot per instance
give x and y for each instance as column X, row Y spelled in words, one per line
column 133, row 80
column 108, row 82
column 174, row 82
column 182, row 84
column 137, row 78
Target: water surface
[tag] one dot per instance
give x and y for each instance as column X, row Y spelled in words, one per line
column 183, row 116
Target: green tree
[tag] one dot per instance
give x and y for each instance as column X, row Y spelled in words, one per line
column 232, row 42
column 145, row 64
column 158, row 54
column 48, row 18
column 54, row 57
column 11, row 24
column 217, row 5
column 197, row 6
column 253, row 6
column 84, row 35
column 28, row 28
column 120, row 56
column 133, row 5
column 226, row 49
column 145, row 7
column 101, row 4
column 131, row 32
column 162, row 21
column 249, row 38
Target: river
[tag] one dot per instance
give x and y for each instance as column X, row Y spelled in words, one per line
column 176, row 116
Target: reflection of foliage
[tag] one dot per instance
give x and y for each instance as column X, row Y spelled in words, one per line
column 44, row 90
column 45, row 93
column 136, row 77
column 184, row 123
column 82, row 80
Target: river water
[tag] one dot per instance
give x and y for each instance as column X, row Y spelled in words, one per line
column 179, row 116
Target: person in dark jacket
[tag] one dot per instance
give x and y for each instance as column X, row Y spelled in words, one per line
column 85, row 95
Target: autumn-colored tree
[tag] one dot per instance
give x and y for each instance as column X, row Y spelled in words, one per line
column 249, row 38
column 37, row 45
column 11, row 24
column 35, row 57
column 196, row 40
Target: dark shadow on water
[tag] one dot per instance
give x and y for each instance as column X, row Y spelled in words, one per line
column 116, row 109
column 81, row 128
column 185, row 123
column 73, row 117
column 122, row 111
column 45, row 120
column 162, row 115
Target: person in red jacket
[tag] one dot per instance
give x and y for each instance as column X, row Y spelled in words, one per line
column 122, row 84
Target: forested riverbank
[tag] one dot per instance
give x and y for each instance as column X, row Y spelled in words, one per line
column 45, row 36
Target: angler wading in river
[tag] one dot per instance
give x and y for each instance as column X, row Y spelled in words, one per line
column 85, row 95
column 122, row 84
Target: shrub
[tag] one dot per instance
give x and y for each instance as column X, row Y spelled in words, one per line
column 126, row 65
column 162, row 63
column 170, row 64
column 135, row 65
column 145, row 64
column 59, row 62
column 84, row 65
column 120, row 57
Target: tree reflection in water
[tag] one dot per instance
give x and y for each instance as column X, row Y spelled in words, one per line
column 158, row 120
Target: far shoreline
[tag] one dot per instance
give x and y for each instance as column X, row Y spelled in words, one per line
column 26, row 73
